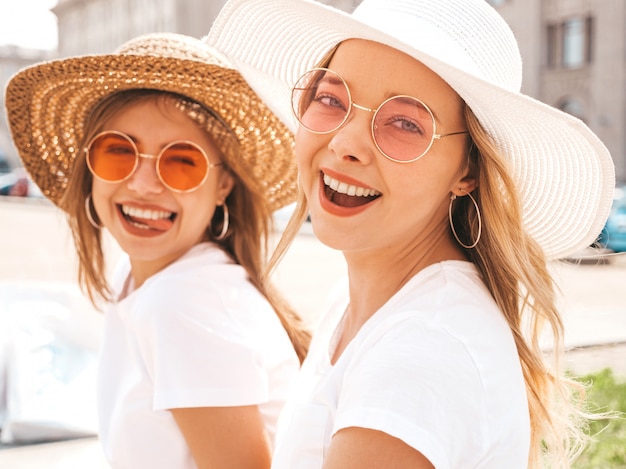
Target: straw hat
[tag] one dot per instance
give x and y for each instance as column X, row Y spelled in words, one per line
column 48, row 104
column 563, row 172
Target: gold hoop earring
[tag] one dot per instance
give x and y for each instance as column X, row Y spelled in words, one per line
column 90, row 217
column 225, row 224
column 480, row 224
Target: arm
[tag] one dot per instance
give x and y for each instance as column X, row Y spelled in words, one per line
column 225, row 437
column 362, row 448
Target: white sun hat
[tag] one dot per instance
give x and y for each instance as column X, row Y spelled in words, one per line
column 564, row 174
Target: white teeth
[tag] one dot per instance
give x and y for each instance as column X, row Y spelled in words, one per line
column 140, row 225
column 349, row 189
column 145, row 214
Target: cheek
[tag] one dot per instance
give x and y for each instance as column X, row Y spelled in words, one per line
column 198, row 207
column 101, row 193
column 306, row 147
column 424, row 182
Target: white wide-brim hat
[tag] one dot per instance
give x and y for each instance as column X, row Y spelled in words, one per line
column 564, row 174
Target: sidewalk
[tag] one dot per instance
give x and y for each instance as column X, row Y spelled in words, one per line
column 37, row 247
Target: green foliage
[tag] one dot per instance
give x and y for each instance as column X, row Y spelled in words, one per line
column 608, row 448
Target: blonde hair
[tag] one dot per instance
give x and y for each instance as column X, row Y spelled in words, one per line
column 250, row 216
column 516, row 273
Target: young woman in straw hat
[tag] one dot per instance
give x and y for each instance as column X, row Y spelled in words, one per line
column 164, row 145
column 447, row 191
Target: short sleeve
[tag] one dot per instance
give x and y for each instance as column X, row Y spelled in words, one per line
column 416, row 383
column 197, row 353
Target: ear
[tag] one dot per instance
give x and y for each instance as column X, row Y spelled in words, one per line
column 464, row 186
column 225, row 184
column 466, row 183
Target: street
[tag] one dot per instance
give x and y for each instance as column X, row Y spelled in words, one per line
column 35, row 246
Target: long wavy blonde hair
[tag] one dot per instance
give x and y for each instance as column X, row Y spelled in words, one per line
column 516, row 273
column 250, row 222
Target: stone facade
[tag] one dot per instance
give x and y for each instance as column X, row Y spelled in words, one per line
column 574, row 51
column 574, row 54
column 13, row 59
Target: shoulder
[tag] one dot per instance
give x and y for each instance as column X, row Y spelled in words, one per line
column 201, row 273
column 451, row 298
column 438, row 359
column 204, row 287
column 206, row 260
column 441, row 336
column 446, row 283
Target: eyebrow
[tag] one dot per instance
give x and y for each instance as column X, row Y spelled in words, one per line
column 137, row 142
column 330, row 79
column 334, row 79
column 391, row 95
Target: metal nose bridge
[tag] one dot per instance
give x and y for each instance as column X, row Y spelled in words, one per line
column 147, row 155
column 363, row 108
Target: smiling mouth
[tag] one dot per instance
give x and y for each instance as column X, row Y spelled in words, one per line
column 348, row 195
column 145, row 219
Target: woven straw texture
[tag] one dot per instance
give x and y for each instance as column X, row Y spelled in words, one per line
column 47, row 105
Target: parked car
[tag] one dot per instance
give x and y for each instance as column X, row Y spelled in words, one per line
column 613, row 235
column 4, row 165
column 18, row 184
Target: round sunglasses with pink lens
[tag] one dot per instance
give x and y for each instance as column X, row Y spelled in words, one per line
column 403, row 127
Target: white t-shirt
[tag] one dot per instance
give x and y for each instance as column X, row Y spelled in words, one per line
column 196, row 334
column 436, row 367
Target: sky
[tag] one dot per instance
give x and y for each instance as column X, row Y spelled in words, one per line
column 28, row 23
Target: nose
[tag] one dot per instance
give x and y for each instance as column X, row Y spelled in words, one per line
column 354, row 140
column 145, row 179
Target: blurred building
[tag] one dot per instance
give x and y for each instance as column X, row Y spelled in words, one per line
column 574, row 55
column 574, row 51
column 99, row 26
column 13, row 59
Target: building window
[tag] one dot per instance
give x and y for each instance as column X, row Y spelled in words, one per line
column 552, row 42
column 574, row 43
column 569, row 44
column 577, row 42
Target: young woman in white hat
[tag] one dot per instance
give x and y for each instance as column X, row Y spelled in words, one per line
column 447, row 191
column 164, row 145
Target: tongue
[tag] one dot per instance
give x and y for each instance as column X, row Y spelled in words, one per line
column 160, row 224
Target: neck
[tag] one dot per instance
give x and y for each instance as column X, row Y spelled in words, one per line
column 375, row 277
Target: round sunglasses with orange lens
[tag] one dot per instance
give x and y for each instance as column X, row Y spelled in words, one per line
column 182, row 166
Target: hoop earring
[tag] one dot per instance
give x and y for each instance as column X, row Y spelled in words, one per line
column 480, row 224
column 90, row 218
column 225, row 224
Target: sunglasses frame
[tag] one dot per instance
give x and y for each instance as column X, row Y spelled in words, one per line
column 139, row 155
column 373, row 127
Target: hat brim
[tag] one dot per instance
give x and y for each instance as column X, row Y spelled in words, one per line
column 564, row 174
column 48, row 104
